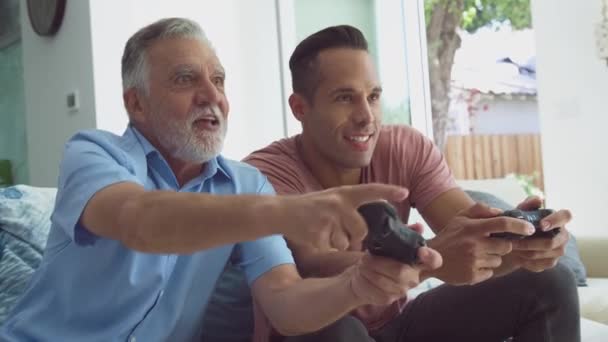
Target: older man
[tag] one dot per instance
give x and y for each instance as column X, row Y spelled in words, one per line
column 145, row 222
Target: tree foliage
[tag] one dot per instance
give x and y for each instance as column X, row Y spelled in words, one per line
column 479, row 13
column 444, row 18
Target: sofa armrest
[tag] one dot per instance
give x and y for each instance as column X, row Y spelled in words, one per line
column 594, row 253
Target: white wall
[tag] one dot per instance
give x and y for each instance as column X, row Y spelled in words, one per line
column 51, row 68
column 504, row 116
column 85, row 55
column 250, row 57
column 257, row 117
column 573, row 105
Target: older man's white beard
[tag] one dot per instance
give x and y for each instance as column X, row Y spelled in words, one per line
column 184, row 143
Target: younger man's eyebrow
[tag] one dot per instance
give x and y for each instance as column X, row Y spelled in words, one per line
column 341, row 90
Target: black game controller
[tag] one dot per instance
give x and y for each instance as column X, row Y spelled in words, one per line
column 388, row 236
column 534, row 217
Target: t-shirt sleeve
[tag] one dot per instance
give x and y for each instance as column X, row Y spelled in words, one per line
column 259, row 256
column 281, row 173
column 428, row 172
column 89, row 164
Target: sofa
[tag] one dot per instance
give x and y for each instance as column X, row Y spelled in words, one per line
column 593, row 250
column 25, row 222
column 587, row 256
column 594, row 297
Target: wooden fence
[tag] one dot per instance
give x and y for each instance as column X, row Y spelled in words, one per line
column 494, row 156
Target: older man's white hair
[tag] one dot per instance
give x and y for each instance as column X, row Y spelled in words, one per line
column 134, row 63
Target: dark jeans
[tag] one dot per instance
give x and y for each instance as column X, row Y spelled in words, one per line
column 347, row 329
column 530, row 307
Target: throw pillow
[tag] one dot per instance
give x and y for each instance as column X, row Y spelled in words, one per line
column 24, row 225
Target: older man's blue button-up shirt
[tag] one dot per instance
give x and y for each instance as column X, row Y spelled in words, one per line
column 90, row 288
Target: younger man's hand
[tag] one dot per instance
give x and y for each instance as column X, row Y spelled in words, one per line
column 470, row 254
column 378, row 280
column 539, row 254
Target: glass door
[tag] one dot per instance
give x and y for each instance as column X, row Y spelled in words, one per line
column 13, row 152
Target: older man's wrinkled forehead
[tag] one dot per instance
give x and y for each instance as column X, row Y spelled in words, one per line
column 171, row 54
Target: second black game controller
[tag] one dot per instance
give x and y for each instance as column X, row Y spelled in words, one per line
column 532, row 216
column 388, row 236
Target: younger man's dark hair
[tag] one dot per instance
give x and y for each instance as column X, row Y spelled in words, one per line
column 303, row 62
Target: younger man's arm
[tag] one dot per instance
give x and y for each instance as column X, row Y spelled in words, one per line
column 296, row 306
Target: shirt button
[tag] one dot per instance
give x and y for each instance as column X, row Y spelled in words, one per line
column 133, row 339
column 161, row 293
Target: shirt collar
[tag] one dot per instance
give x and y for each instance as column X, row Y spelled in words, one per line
column 145, row 144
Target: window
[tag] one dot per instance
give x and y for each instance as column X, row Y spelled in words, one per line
column 393, row 30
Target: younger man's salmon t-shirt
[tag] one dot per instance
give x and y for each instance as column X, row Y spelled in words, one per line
column 403, row 156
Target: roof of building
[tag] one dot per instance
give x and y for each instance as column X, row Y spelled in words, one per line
column 499, row 63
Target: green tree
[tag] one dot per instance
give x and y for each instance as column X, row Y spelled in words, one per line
column 444, row 18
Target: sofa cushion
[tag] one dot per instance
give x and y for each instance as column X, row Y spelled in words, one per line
column 24, row 225
column 594, row 301
column 592, row 331
column 594, row 253
column 571, row 258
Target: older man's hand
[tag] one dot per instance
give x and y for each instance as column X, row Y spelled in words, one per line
column 329, row 220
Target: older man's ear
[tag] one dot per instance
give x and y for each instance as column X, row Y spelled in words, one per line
column 132, row 102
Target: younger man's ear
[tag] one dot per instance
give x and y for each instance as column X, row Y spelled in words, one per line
column 133, row 105
column 298, row 106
